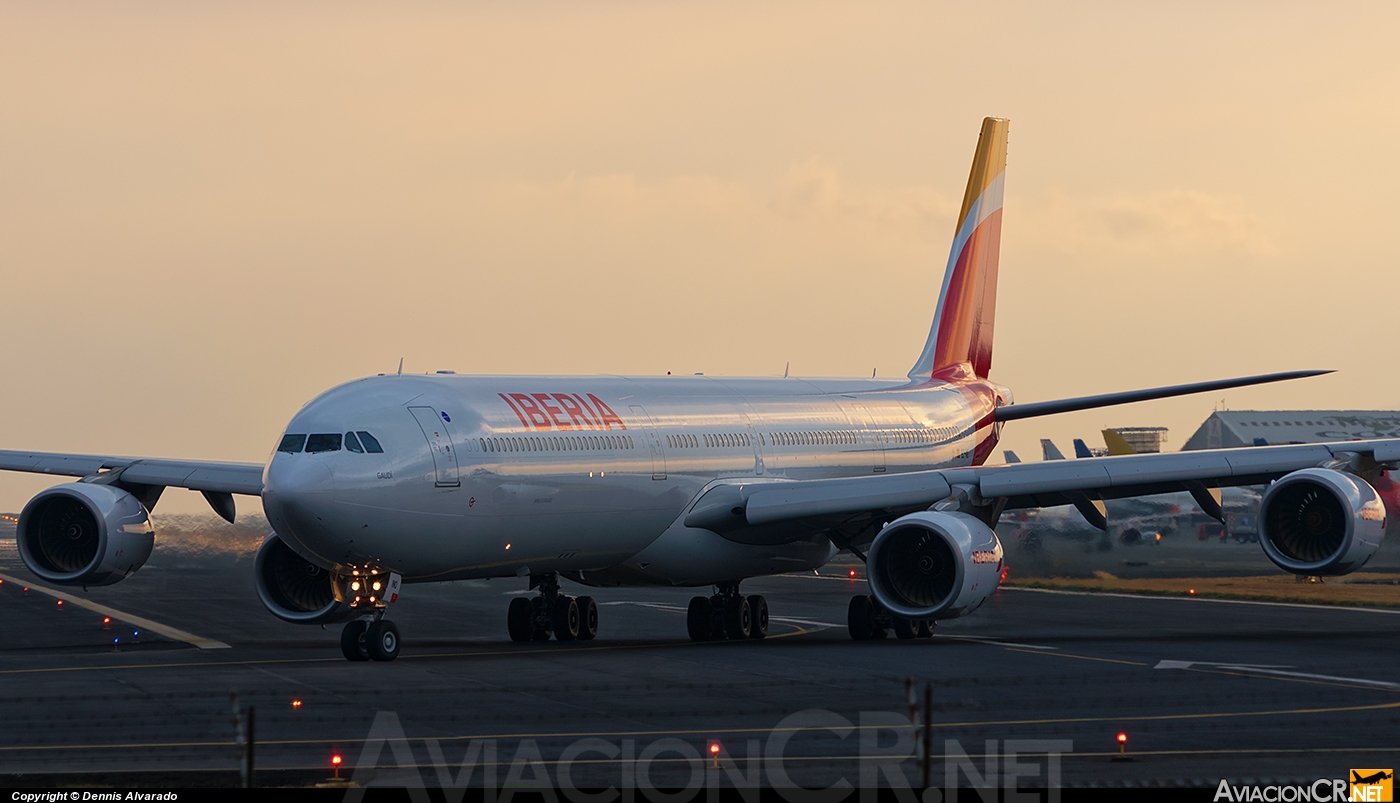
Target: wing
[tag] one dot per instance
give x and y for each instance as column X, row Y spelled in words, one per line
column 197, row 475
column 853, row 509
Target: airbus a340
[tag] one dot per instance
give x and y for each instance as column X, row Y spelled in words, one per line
column 691, row 481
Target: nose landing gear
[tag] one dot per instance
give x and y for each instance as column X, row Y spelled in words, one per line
column 727, row 615
column 369, row 639
column 551, row 613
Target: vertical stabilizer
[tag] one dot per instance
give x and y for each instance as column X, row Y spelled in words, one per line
column 962, row 323
column 1049, row 451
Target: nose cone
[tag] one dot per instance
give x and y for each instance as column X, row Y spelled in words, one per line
column 298, row 492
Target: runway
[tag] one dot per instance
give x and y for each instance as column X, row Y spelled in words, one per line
column 1204, row 689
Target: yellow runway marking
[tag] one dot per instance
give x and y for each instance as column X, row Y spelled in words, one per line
column 169, row 632
column 1080, row 657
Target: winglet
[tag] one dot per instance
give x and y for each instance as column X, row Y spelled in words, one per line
column 961, row 334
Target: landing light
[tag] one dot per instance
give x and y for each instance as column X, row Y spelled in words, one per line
column 376, row 585
column 355, row 586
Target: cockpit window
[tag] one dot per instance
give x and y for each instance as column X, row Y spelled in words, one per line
column 323, row 443
column 291, row 444
column 353, row 443
column 371, row 444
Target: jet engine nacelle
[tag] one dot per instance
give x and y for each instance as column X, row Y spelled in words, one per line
column 934, row 565
column 84, row 534
column 293, row 588
column 1320, row 521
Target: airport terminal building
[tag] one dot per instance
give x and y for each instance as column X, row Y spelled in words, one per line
column 1230, row 428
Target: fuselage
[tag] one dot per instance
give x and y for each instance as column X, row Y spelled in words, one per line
column 590, row 476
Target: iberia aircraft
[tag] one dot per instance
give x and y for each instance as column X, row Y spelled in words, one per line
column 693, row 481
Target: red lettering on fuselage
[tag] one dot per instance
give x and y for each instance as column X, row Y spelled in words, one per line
column 574, row 410
column 537, row 417
column 553, row 411
column 538, row 412
column 523, row 422
column 606, row 413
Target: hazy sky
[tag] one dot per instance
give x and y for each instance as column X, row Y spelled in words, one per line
column 211, row 212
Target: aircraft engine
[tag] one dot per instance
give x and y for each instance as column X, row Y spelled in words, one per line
column 84, row 534
column 934, row 565
column 1318, row 521
column 293, row 588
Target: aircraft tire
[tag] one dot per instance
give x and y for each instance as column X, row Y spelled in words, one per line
column 520, row 619
column 537, row 607
column 925, row 629
column 738, row 619
column 587, row 619
column 697, row 619
column 566, row 619
column 758, row 607
column 860, row 619
column 352, row 640
column 905, row 628
column 382, row 640
column 877, row 628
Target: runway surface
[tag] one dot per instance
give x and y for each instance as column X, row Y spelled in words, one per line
column 1204, row 689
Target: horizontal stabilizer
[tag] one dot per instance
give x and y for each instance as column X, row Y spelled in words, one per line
column 1035, row 409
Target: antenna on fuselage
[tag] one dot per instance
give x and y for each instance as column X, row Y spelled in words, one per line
column 786, row 366
column 872, row 373
column 401, row 366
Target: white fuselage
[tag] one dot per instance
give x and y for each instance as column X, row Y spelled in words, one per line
column 590, row 476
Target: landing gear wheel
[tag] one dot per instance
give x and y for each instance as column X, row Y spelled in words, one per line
column 925, row 629
column 697, row 619
column 352, row 641
column 520, row 619
column 738, row 619
column 565, row 618
column 758, row 607
column 878, row 617
column 539, row 612
column 860, row 619
column 905, row 628
column 382, row 640
column 587, row 619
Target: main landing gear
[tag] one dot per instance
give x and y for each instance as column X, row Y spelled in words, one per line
column 867, row 619
column 727, row 615
column 552, row 613
column 372, row 639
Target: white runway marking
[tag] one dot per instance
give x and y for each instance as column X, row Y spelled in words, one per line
column 1276, row 671
column 985, row 640
column 1392, row 612
column 169, row 632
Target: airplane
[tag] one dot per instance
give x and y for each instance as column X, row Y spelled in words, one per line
column 1373, row 778
column 682, row 481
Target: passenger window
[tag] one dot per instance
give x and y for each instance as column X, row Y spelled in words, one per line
column 323, row 443
column 371, row 445
column 291, row 444
column 353, row 443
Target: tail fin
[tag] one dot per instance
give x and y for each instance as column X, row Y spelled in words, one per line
column 962, row 324
column 1011, row 457
column 1116, row 443
column 1081, row 449
column 1049, row 451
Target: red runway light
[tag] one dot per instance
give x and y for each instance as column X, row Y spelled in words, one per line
column 1122, row 738
column 296, row 704
column 335, row 764
column 1192, row 592
column 60, row 602
column 853, row 572
column 714, row 747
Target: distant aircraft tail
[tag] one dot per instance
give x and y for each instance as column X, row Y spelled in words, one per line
column 1081, row 449
column 1115, row 443
column 960, row 341
column 1011, row 457
column 1049, row 451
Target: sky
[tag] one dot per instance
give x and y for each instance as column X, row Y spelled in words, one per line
column 209, row 212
